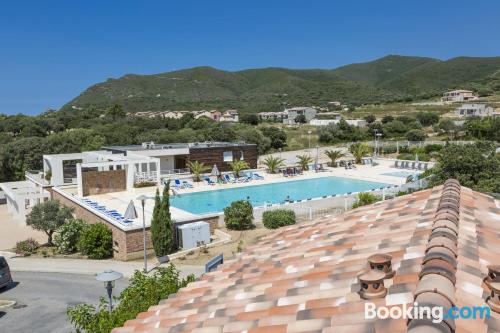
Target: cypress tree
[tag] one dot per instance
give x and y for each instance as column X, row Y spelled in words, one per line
column 161, row 224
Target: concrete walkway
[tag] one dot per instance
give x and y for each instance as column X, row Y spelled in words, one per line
column 13, row 231
column 83, row 266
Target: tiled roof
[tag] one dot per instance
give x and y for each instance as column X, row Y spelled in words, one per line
column 306, row 277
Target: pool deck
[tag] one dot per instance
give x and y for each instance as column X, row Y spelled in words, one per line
column 120, row 200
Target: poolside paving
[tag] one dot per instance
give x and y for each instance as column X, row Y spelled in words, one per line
column 119, row 200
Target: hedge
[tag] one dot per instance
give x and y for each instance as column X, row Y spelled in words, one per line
column 274, row 219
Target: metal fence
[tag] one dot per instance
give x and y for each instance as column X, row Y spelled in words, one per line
column 310, row 209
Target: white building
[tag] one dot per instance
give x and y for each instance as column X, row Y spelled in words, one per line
column 230, row 116
column 325, row 122
column 458, row 96
column 474, row 110
column 272, row 116
column 308, row 112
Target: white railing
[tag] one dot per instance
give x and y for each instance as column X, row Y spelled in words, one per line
column 309, row 209
column 174, row 172
column 147, row 176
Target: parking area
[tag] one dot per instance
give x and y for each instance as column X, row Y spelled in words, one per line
column 43, row 298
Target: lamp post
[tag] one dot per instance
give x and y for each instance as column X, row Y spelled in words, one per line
column 317, row 157
column 109, row 277
column 377, row 136
column 309, row 137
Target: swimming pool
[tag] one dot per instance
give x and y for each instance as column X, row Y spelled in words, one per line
column 215, row 201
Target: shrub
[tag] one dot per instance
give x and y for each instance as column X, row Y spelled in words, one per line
column 239, row 216
column 144, row 184
column 274, row 219
column 68, row 235
column 364, row 199
column 27, row 247
column 415, row 135
column 96, row 241
column 142, row 292
column 432, row 148
column 406, row 156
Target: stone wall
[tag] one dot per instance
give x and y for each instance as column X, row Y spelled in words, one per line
column 99, row 182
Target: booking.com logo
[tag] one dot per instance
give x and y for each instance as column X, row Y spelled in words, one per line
column 435, row 313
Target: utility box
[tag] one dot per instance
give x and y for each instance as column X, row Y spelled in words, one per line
column 193, row 234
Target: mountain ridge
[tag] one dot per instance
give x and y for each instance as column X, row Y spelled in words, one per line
column 387, row 79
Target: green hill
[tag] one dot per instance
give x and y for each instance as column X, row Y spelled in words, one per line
column 392, row 78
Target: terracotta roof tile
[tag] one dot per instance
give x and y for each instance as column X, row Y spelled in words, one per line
column 305, row 278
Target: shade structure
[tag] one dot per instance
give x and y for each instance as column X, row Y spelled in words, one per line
column 215, row 171
column 130, row 213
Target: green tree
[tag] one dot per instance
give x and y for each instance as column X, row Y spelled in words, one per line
column 238, row 166
column 161, row 224
column 387, row 119
column 250, row 118
column 239, row 215
column 475, row 166
column 359, row 150
column 273, row 163
column 370, row 118
column 115, row 111
column 278, row 137
column 197, row 169
column 142, row 292
column 304, row 161
column 48, row 216
column 334, row 155
column 415, row 135
column 427, row 118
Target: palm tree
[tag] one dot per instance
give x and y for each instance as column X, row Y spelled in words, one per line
column 197, row 169
column 334, row 155
column 359, row 150
column 237, row 166
column 272, row 163
column 304, row 161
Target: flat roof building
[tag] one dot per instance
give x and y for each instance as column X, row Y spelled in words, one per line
column 474, row 110
column 98, row 185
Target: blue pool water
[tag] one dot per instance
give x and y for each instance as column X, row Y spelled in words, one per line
column 215, row 201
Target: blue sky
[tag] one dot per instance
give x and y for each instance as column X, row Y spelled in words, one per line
column 50, row 51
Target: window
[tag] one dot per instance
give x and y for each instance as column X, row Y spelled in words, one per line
column 228, row 156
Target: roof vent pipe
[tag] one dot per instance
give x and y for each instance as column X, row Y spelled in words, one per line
column 493, row 276
column 494, row 299
column 372, row 284
column 381, row 262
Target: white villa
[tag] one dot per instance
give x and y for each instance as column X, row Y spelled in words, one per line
column 474, row 110
column 325, row 122
column 458, row 96
column 288, row 116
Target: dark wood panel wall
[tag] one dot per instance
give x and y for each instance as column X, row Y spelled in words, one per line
column 215, row 155
column 99, row 182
